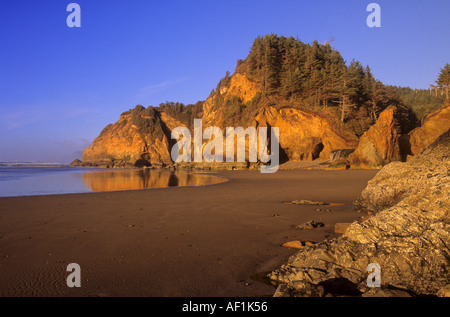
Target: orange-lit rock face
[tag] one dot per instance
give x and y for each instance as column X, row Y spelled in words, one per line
column 125, row 143
column 379, row 145
column 170, row 122
column 305, row 135
column 240, row 86
column 434, row 126
column 117, row 180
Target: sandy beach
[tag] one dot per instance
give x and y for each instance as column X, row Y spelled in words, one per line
column 217, row 240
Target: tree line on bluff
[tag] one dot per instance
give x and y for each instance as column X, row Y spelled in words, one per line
column 290, row 73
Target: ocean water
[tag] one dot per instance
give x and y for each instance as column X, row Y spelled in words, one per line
column 26, row 180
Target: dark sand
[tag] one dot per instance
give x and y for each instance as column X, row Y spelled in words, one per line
column 216, row 240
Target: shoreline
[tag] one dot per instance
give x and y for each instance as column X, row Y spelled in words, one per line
column 188, row 241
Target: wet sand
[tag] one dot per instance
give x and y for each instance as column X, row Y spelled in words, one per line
column 216, row 240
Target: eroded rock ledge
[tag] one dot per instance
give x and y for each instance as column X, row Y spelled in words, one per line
column 408, row 237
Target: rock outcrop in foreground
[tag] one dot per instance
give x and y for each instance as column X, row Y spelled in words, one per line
column 408, row 237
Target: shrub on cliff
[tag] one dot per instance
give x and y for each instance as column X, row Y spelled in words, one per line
column 148, row 121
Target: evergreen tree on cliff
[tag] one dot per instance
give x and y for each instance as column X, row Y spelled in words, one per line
column 443, row 80
column 290, row 72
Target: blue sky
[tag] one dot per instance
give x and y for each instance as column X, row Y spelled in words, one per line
column 60, row 86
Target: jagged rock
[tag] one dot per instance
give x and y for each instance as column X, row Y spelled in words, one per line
column 435, row 125
column 379, row 145
column 309, row 225
column 408, row 236
column 141, row 137
column 400, row 181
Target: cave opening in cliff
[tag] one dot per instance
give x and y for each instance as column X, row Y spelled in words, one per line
column 317, row 150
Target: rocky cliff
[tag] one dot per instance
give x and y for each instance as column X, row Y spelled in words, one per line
column 380, row 144
column 434, row 125
column 408, row 237
column 287, row 84
column 141, row 137
column 305, row 135
column 230, row 92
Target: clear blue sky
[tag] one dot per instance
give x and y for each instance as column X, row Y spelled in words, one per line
column 60, row 86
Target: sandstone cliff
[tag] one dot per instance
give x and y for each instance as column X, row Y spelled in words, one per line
column 379, row 145
column 409, row 236
column 305, row 135
column 287, row 84
column 231, row 93
column 141, row 137
column 435, row 124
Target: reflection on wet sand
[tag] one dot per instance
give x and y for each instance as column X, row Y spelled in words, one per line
column 140, row 179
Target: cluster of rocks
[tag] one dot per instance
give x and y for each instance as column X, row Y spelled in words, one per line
column 408, row 237
column 382, row 143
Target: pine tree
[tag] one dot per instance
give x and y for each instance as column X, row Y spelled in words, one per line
column 443, row 80
column 374, row 93
column 350, row 91
column 313, row 74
